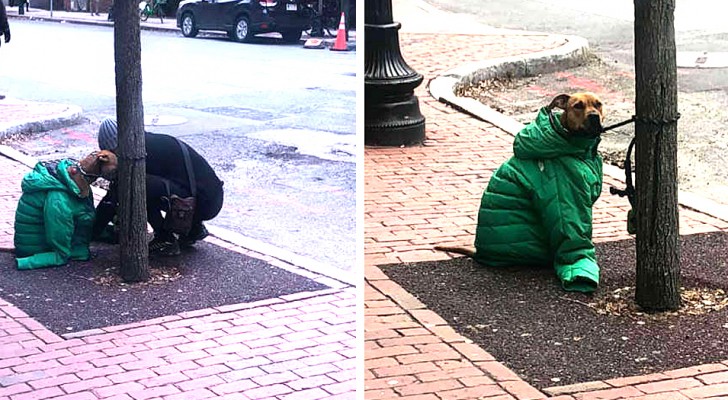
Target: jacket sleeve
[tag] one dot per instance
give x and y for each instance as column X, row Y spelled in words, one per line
column 82, row 232
column 566, row 213
column 58, row 220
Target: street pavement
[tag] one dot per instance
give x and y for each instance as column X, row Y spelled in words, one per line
column 419, row 197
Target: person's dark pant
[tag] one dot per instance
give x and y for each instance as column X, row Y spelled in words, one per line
column 157, row 192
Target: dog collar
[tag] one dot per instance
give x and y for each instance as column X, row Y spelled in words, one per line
column 88, row 177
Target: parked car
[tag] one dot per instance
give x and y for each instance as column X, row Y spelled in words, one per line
column 242, row 19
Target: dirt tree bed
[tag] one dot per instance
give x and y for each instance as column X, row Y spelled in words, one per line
column 702, row 128
column 553, row 338
column 88, row 295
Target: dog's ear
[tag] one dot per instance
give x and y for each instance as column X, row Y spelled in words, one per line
column 559, row 101
column 103, row 157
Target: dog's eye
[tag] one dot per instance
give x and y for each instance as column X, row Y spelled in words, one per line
column 579, row 105
column 598, row 105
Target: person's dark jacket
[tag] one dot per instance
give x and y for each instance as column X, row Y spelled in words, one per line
column 4, row 26
column 165, row 159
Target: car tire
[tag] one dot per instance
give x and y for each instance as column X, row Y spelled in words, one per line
column 241, row 30
column 291, row 36
column 189, row 29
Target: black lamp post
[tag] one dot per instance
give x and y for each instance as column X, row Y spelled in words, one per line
column 391, row 110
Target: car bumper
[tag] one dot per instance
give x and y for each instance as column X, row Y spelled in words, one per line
column 278, row 21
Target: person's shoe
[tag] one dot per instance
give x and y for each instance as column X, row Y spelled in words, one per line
column 198, row 232
column 164, row 247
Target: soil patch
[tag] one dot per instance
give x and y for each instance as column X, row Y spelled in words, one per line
column 87, row 295
column 702, row 128
column 551, row 337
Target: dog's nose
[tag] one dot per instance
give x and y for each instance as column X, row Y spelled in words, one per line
column 594, row 121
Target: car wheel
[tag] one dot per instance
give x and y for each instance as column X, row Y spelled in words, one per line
column 188, row 25
column 241, row 30
column 291, row 36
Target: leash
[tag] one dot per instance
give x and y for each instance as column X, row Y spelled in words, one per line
column 88, row 177
column 629, row 190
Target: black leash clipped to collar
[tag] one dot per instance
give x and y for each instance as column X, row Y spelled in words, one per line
column 629, row 190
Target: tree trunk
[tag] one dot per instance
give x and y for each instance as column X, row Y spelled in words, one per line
column 658, row 251
column 134, row 249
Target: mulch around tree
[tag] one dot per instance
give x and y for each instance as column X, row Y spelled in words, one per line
column 88, row 295
column 551, row 337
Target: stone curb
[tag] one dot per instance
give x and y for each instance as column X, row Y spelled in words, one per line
column 70, row 116
column 571, row 54
column 87, row 22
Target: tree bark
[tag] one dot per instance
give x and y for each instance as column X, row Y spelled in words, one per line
column 658, row 247
column 131, row 151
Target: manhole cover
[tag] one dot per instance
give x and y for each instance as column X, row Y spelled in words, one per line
column 702, row 59
column 163, row 120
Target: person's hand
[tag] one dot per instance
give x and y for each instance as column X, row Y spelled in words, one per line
column 7, row 35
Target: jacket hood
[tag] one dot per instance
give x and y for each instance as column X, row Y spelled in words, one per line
column 50, row 176
column 541, row 140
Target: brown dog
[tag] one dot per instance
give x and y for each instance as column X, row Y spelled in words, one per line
column 84, row 172
column 583, row 113
column 102, row 163
column 583, row 116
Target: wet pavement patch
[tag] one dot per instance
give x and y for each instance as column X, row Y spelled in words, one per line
column 74, row 297
column 242, row 112
column 553, row 338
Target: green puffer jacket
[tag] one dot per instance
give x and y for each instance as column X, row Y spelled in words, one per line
column 52, row 222
column 537, row 209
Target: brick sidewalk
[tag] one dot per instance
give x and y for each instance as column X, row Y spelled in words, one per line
column 300, row 346
column 421, row 196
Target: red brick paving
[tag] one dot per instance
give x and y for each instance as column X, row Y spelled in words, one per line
column 418, row 197
column 294, row 347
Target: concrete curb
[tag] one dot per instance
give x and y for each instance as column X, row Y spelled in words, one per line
column 573, row 53
column 70, row 116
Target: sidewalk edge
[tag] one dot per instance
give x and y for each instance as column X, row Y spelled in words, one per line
column 278, row 253
column 70, row 116
column 443, row 87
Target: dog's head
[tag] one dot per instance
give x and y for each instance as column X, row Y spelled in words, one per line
column 99, row 164
column 583, row 113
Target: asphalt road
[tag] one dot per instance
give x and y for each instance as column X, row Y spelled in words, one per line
column 276, row 121
column 608, row 25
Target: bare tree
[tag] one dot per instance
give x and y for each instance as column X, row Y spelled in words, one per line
column 658, row 247
column 131, row 149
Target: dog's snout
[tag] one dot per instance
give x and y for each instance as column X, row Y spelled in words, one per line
column 594, row 120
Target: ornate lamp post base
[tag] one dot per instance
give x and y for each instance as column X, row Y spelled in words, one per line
column 391, row 110
column 394, row 122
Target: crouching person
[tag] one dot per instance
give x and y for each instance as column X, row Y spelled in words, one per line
column 173, row 168
column 55, row 213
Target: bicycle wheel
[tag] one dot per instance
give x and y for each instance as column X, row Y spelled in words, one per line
column 81, row 5
column 144, row 12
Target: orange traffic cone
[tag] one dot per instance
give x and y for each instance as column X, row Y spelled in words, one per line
column 340, row 44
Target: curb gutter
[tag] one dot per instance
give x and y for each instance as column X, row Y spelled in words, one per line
column 575, row 52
